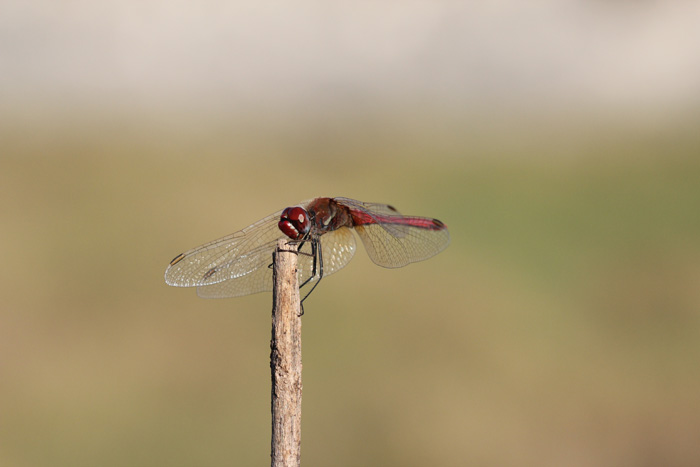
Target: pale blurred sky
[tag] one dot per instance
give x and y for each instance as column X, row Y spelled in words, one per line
column 540, row 53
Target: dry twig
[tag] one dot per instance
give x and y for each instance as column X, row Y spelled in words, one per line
column 285, row 359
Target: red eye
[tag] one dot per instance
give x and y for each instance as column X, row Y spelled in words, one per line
column 294, row 223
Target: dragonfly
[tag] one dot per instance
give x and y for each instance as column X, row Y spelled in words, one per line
column 239, row 264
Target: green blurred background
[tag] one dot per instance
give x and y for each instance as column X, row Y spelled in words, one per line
column 558, row 142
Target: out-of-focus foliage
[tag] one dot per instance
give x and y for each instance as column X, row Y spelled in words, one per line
column 560, row 326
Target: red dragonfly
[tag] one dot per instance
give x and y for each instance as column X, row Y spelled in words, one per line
column 239, row 264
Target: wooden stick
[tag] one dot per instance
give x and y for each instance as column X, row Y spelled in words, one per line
column 285, row 359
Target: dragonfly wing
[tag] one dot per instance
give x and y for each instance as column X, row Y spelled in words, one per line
column 257, row 280
column 397, row 245
column 235, row 265
column 393, row 240
column 338, row 248
column 230, row 257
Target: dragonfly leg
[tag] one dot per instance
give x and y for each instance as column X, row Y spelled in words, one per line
column 301, row 243
column 313, row 254
column 317, row 264
column 318, row 259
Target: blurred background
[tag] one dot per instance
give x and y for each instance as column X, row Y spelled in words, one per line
column 558, row 140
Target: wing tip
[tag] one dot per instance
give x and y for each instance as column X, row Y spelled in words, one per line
column 439, row 225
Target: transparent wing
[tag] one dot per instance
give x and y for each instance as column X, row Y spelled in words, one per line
column 395, row 246
column 338, row 248
column 257, row 280
column 393, row 240
column 230, row 257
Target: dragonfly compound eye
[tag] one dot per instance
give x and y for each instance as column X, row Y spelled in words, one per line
column 294, row 223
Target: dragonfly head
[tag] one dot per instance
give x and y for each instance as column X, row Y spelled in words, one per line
column 294, row 223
